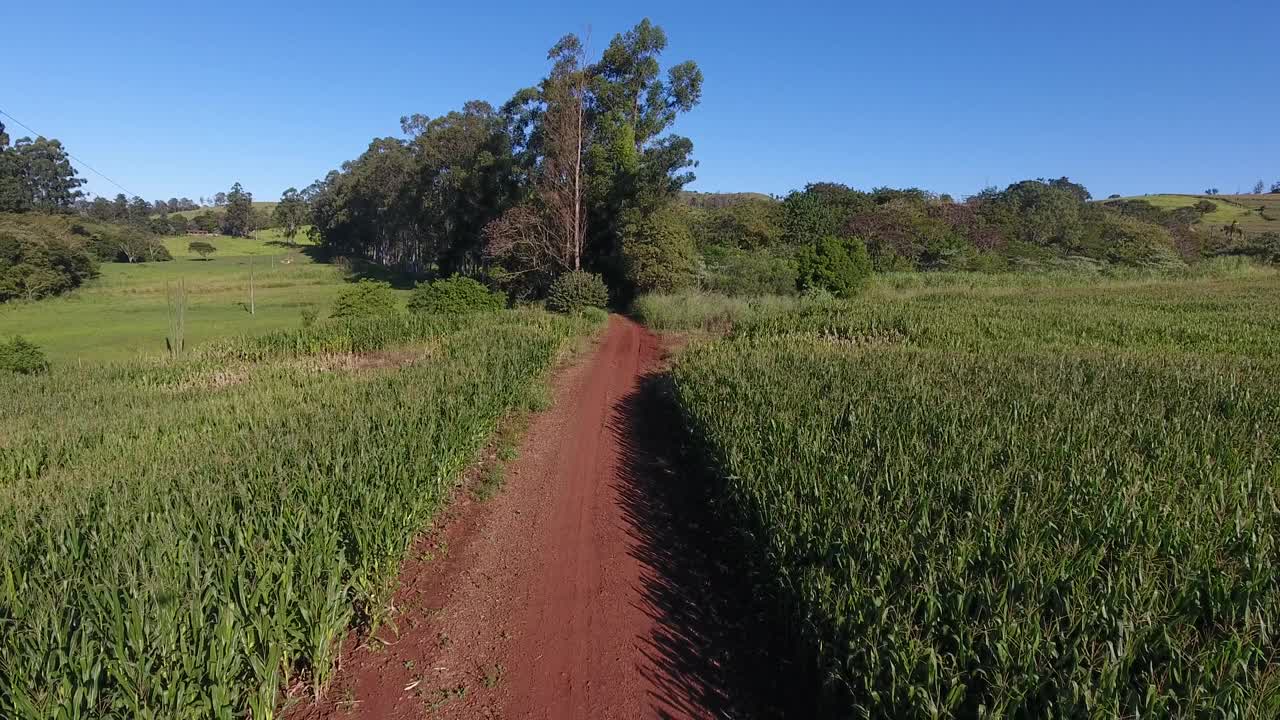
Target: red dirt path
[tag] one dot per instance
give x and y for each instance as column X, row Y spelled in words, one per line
column 553, row 599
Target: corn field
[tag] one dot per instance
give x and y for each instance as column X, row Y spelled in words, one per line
column 1046, row 503
column 184, row 540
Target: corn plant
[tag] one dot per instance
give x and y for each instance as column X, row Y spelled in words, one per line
column 1060, row 503
column 179, row 550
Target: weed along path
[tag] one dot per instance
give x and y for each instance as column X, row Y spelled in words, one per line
column 570, row 593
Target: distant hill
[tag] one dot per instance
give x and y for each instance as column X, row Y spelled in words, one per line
column 1253, row 213
column 692, row 198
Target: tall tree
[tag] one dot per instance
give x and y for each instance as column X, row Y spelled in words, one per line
column 1259, row 188
column 238, row 219
column 13, row 194
column 101, row 209
column 561, row 178
column 290, row 214
column 139, row 212
column 630, row 166
column 37, row 175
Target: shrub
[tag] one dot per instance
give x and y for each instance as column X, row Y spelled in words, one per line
column 22, row 356
column 576, row 291
column 455, row 296
column 838, row 264
column 595, row 314
column 37, row 262
column 738, row 272
column 1125, row 241
column 658, row 252
column 1264, row 247
column 206, row 221
column 367, row 298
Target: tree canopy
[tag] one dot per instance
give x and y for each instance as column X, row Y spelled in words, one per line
column 528, row 190
column 36, row 175
column 238, row 220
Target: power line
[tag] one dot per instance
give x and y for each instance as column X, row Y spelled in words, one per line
column 86, row 165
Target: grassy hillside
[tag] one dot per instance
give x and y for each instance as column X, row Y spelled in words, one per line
column 263, row 242
column 124, row 312
column 1243, row 209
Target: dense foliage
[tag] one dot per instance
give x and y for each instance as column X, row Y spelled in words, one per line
column 40, row 256
column 454, row 296
column 838, row 265
column 659, row 252
column 576, row 291
column 36, row 175
column 20, row 355
column 365, row 299
column 1037, row 225
column 1012, row 503
column 210, row 540
column 733, row 271
column 531, row 189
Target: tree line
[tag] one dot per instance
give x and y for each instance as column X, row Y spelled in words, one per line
column 581, row 172
column 766, row 245
column 557, row 179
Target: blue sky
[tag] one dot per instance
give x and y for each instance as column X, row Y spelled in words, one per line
column 1170, row 97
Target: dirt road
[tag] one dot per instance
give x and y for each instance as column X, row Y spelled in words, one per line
column 577, row 592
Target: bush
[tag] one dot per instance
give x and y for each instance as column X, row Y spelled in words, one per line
column 37, row 261
column 596, row 315
column 838, row 264
column 22, row 356
column 116, row 243
column 739, row 272
column 206, row 221
column 576, row 291
column 367, row 298
column 1264, row 247
column 1126, row 241
column 658, row 252
column 455, row 296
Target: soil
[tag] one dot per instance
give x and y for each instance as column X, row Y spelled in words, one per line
column 589, row 586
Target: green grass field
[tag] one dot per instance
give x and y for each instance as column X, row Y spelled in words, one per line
column 1242, row 209
column 1059, row 501
column 124, row 313
column 262, row 242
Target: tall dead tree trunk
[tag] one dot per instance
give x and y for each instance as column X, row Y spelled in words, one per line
column 561, row 180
